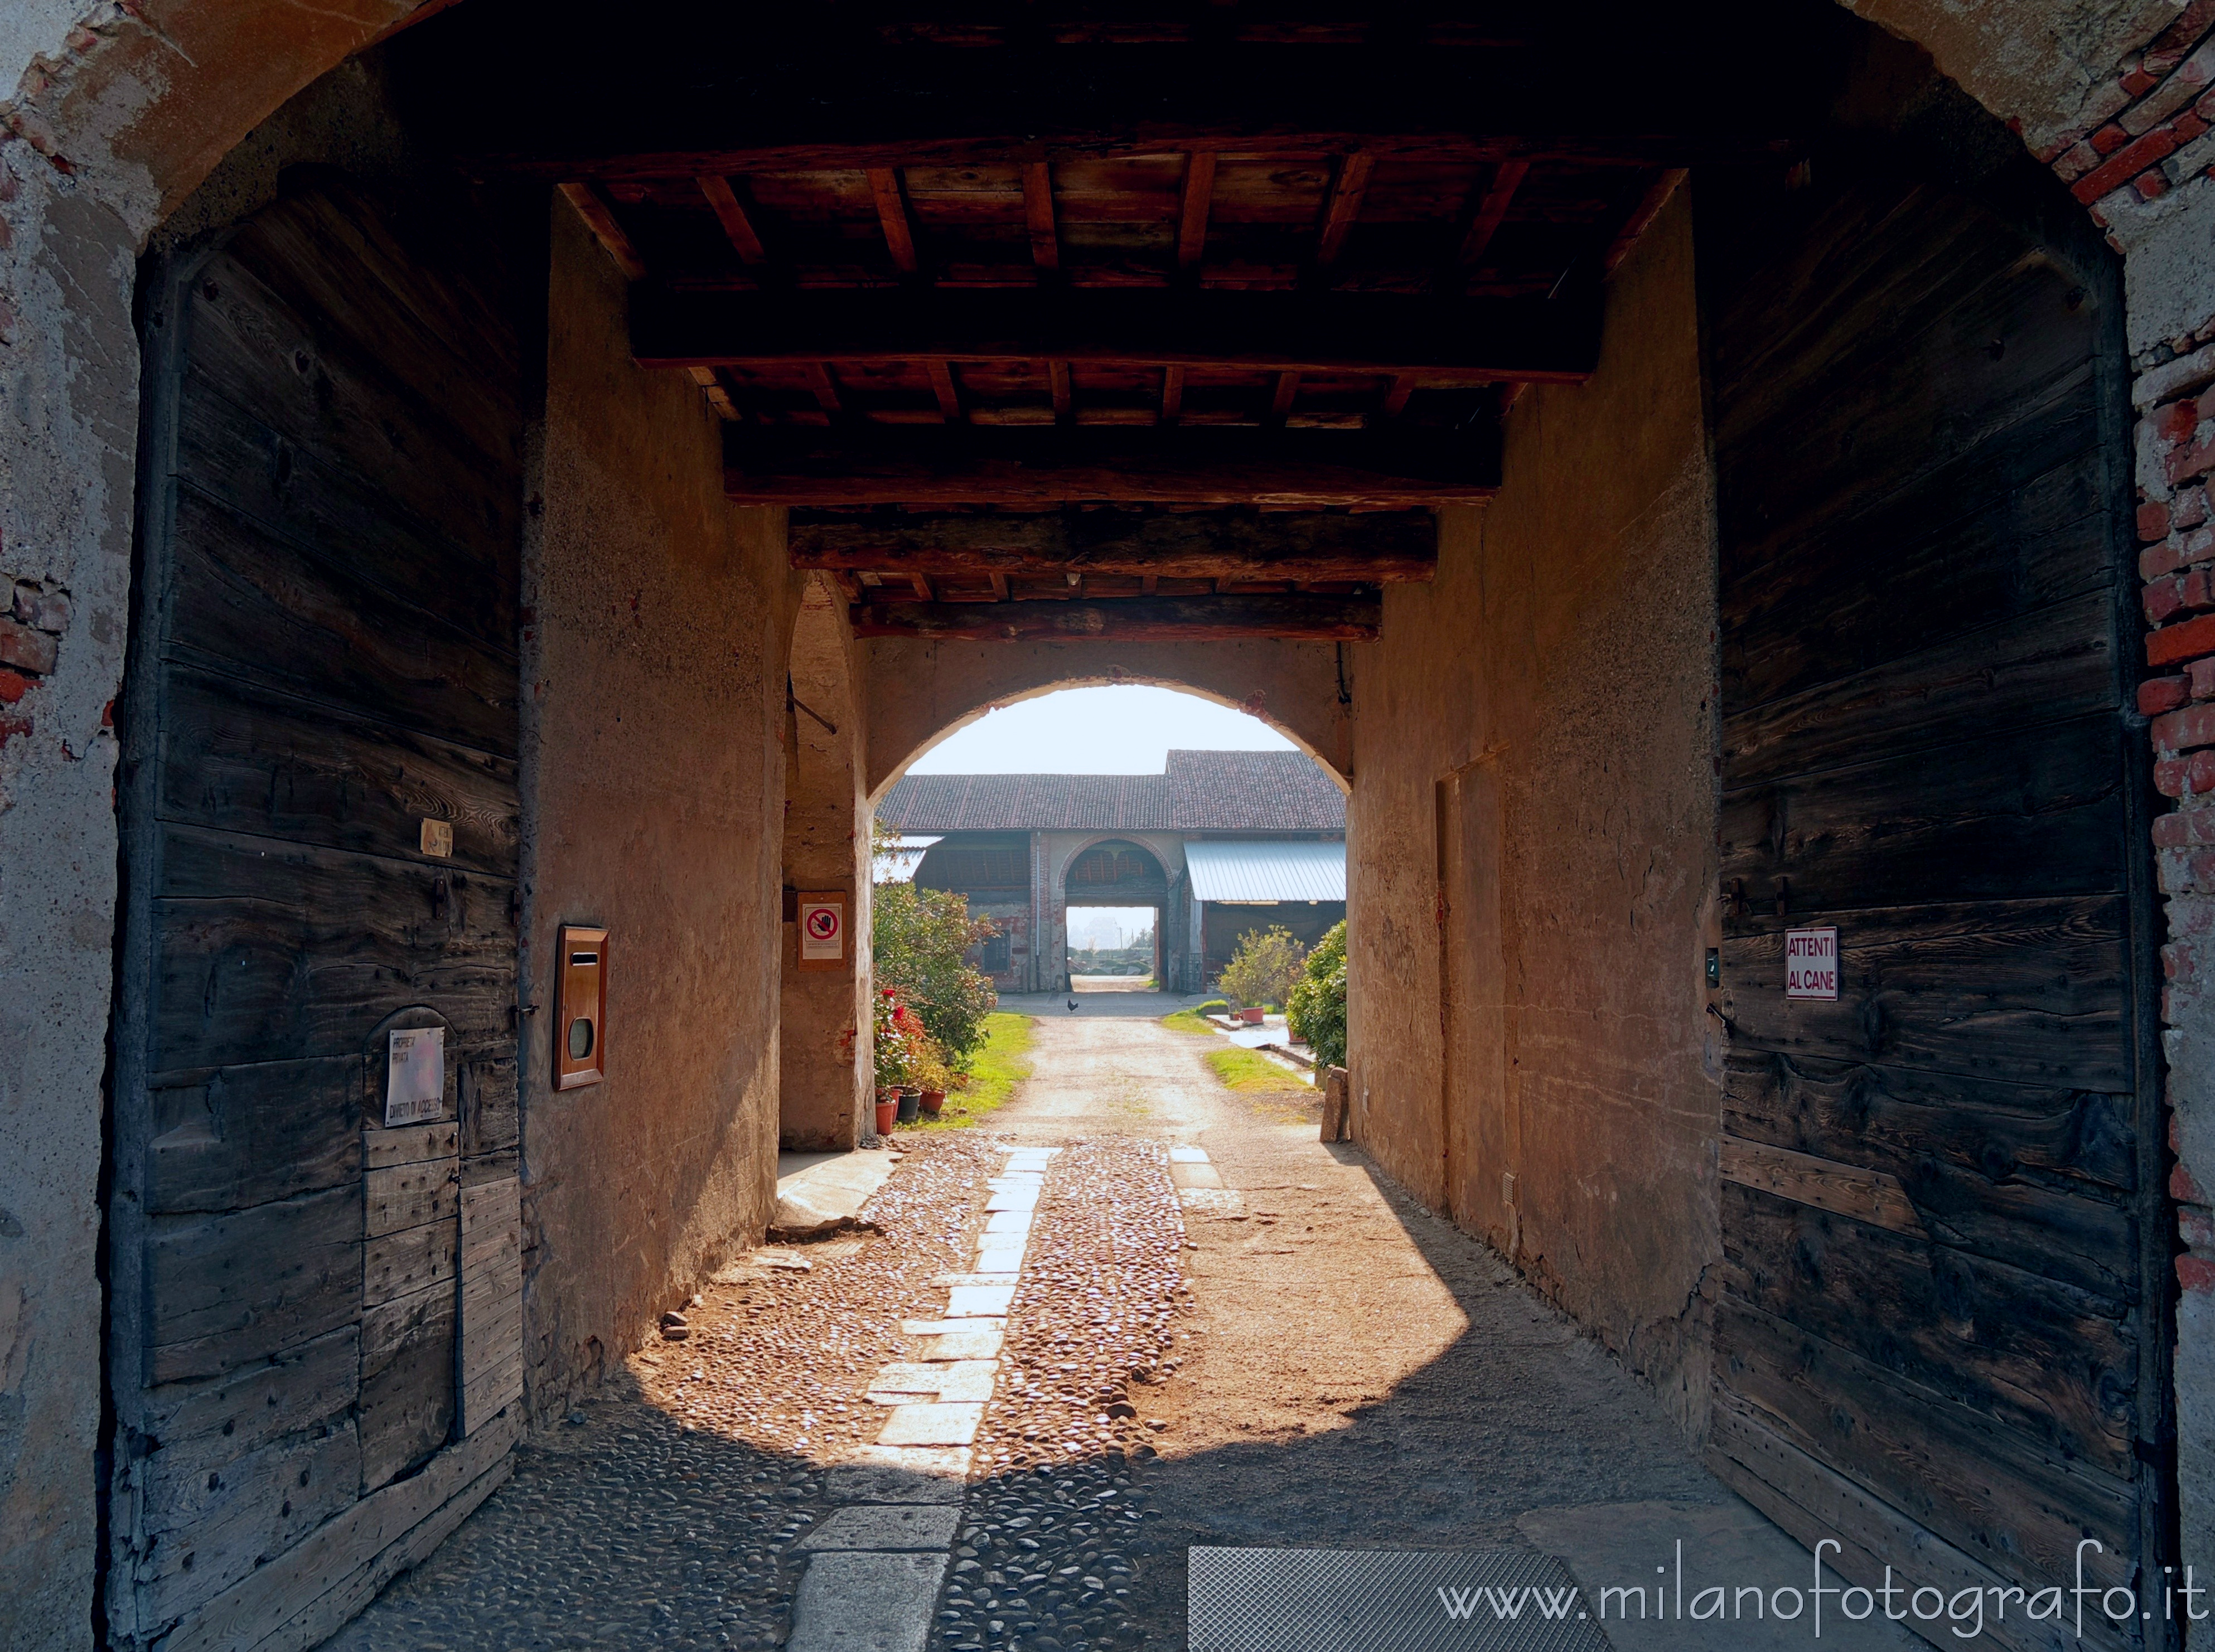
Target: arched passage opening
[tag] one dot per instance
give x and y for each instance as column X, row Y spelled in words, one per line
column 1458, row 773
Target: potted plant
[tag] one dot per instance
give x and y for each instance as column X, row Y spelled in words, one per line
column 897, row 1031
column 928, row 1072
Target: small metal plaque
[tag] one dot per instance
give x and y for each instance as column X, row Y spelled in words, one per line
column 414, row 1075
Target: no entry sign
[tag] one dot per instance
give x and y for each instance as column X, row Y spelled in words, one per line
column 1811, row 962
column 822, row 922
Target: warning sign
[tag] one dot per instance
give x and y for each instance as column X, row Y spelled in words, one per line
column 1811, row 962
column 822, row 931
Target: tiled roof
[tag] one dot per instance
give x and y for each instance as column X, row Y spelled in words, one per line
column 1201, row 792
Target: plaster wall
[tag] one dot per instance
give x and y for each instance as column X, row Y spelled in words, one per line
column 824, row 1033
column 654, row 652
column 1548, row 705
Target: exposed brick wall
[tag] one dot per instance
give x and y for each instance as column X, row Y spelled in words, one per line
column 2153, row 122
column 31, row 628
column 2175, row 396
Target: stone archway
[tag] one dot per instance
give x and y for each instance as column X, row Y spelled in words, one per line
column 120, row 113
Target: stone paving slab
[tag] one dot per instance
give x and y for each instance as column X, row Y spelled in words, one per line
column 861, row 1602
column 1189, row 1155
column 999, row 1262
column 1191, row 1175
column 931, row 1424
column 1012, row 1198
column 953, row 1327
column 899, row 1474
column 999, row 1279
column 823, row 1192
column 979, row 1303
column 960, row 1381
column 887, row 1526
column 1008, row 1221
column 961, row 1344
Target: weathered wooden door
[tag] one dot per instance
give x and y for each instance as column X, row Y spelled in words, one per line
column 1943, row 1300
column 316, row 1333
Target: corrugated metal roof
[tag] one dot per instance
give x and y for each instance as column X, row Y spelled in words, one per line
column 1248, row 869
column 1199, row 791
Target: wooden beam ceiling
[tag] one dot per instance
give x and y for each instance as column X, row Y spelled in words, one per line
column 1374, row 548
column 1137, row 619
column 1041, row 467
column 818, row 104
column 1443, row 343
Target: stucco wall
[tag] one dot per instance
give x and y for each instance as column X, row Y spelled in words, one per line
column 655, row 623
column 1561, row 671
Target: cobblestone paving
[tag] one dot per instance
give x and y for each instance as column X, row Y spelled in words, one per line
column 665, row 1515
column 1055, row 1530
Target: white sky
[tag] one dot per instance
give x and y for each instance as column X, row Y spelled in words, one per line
column 1125, row 730
column 1109, row 925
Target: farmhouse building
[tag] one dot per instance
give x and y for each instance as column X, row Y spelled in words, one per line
column 1220, row 843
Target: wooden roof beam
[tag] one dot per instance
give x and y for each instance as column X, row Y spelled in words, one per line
column 1445, row 342
column 1040, row 466
column 892, row 213
column 1037, row 215
column 1484, row 223
column 1343, row 206
column 1191, row 212
column 736, row 225
column 600, row 218
column 1375, row 548
column 1130, row 619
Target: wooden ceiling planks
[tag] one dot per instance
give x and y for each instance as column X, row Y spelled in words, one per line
column 1054, row 257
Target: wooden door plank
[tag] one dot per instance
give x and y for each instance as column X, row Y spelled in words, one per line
column 240, row 758
column 2045, row 666
column 2035, row 1178
column 271, row 951
column 2055, row 1365
column 1874, row 1196
column 408, row 1195
column 224, row 1291
column 239, row 1137
column 2031, row 992
column 1979, row 1486
column 410, row 1144
column 408, row 1380
column 439, row 564
column 2033, row 814
column 250, row 605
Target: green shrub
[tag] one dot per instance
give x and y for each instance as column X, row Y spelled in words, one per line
column 1213, row 1006
column 1263, row 969
column 921, row 938
column 1315, row 1013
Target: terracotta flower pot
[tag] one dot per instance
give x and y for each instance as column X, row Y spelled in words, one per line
column 887, row 1109
column 932, row 1101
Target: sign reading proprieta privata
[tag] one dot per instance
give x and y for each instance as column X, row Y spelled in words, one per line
column 1811, row 962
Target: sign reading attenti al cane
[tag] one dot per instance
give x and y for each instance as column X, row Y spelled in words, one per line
column 1811, row 962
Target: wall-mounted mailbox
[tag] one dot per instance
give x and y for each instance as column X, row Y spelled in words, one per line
column 581, row 1019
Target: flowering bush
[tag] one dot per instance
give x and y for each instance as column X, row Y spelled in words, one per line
column 899, row 1038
